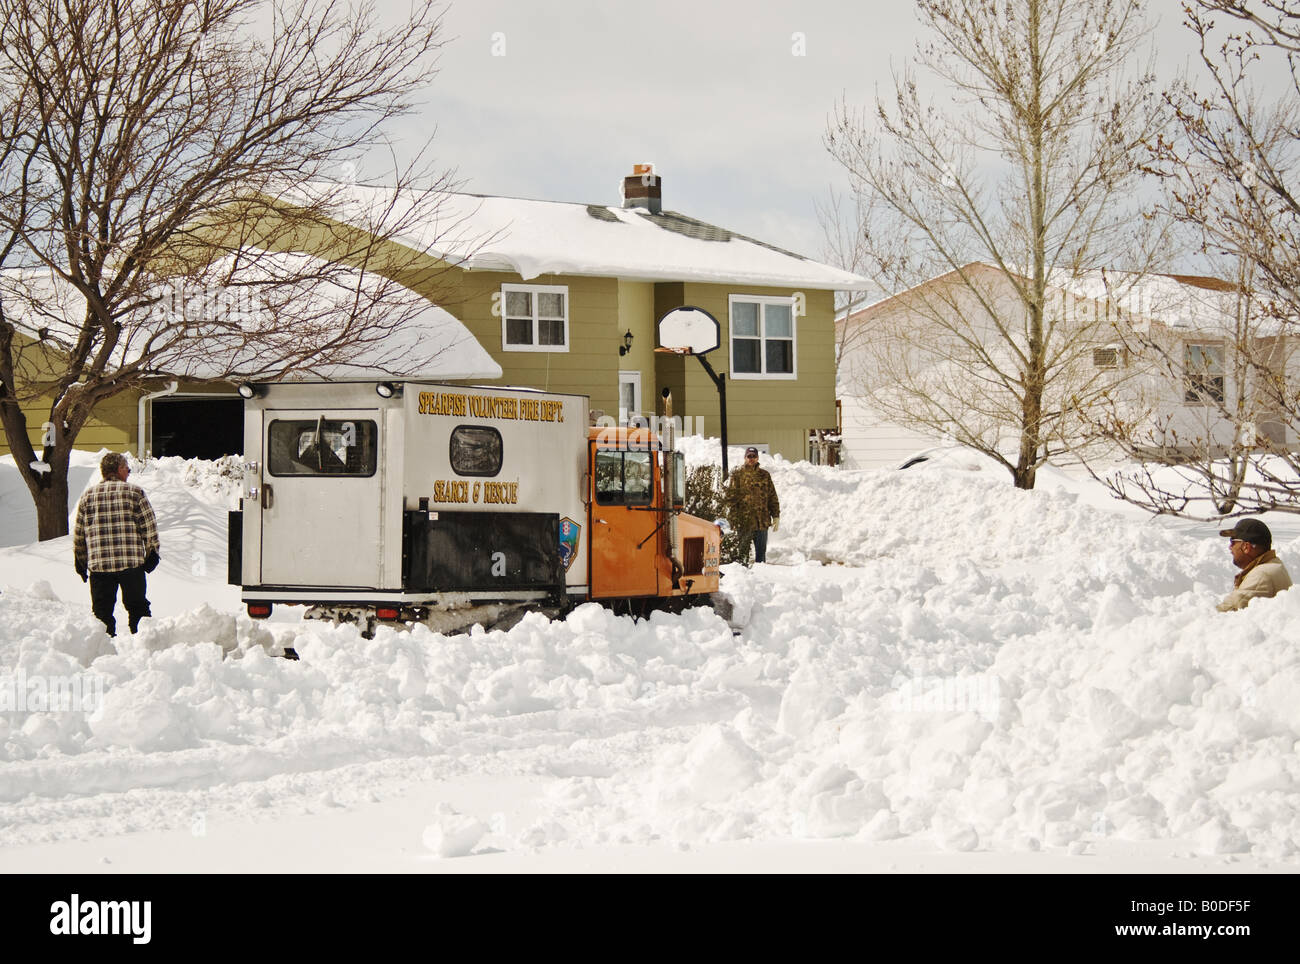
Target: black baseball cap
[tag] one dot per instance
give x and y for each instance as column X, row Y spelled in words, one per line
column 751, row 451
column 1250, row 530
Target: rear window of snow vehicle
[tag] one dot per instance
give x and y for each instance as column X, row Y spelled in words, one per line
column 343, row 447
column 475, row 450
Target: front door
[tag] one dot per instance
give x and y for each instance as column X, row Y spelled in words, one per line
column 629, row 396
column 320, row 498
column 623, row 538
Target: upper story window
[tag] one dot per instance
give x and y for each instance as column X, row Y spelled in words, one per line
column 762, row 337
column 535, row 317
column 1203, row 374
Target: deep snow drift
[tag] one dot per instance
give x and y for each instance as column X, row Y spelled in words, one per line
column 929, row 653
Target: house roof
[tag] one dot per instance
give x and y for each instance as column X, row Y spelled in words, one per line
column 1196, row 304
column 853, row 310
column 532, row 238
column 429, row 343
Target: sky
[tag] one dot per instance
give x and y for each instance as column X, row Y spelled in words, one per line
column 729, row 100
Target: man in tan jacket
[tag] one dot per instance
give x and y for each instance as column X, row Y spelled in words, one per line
column 1262, row 572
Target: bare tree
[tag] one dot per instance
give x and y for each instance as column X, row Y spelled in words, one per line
column 1230, row 173
column 1024, row 184
column 158, row 159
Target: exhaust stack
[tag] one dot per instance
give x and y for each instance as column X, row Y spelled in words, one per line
column 666, row 434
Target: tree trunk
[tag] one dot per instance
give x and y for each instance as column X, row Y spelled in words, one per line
column 1035, row 376
column 51, row 496
column 1027, row 458
column 52, row 506
column 49, row 490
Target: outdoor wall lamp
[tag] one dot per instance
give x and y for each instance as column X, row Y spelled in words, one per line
column 627, row 343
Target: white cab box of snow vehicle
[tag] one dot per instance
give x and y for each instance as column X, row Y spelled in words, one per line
column 409, row 494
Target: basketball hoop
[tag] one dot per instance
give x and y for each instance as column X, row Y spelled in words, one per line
column 693, row 331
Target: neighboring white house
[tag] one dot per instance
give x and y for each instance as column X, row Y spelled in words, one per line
column 1172, row 344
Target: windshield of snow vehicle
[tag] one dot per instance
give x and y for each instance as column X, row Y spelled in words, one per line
column 622, row 478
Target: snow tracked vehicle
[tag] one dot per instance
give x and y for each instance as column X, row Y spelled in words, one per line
column 404, row 502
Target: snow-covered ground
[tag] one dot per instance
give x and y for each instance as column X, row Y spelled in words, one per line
column 934, row 671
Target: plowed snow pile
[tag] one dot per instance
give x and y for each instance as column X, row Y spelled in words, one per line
column 928, row 652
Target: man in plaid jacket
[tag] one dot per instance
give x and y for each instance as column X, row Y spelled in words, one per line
column 115, row 542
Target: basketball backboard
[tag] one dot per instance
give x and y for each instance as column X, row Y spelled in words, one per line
column 689, row 329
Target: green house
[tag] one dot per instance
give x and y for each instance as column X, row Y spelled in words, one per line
column 565, row 297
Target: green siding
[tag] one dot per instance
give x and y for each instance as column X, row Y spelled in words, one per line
column 636, row 313
column 112, row 426
column 773, row 411
column 589, row 367
column 114, row 422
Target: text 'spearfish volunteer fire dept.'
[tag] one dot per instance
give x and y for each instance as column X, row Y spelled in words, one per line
column 410, row 502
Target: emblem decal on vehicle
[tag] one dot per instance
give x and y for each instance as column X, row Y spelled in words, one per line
column 570, row 531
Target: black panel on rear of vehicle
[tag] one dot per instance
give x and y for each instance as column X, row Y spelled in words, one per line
column 461, row 551
column 234, row 547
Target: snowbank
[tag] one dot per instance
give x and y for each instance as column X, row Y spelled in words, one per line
column 932, row 654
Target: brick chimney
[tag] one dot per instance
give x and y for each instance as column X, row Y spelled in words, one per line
column 642, row 189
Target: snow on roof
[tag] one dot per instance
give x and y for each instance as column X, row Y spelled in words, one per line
column 430, row 342
column 532, row 238
column 881, row 299
column 1196, row 304
column 1193, row 303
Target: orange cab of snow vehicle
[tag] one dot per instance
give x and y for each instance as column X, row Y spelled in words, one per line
column 642, row 545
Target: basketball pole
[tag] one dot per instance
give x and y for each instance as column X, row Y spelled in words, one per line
column 689, row 330
column 720, row 381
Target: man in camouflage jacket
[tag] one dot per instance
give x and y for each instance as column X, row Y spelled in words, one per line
column 754, row 507
column 114, row 543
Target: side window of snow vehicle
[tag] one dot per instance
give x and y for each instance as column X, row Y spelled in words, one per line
column 343, row 447
column 636, row 478
column 476, row 450
column 609, row 477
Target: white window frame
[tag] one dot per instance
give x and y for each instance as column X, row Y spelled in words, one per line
column 534, row 290
column 762, row 301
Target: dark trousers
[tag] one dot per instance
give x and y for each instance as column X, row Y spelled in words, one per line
column 759, row 536
column 103, row 597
